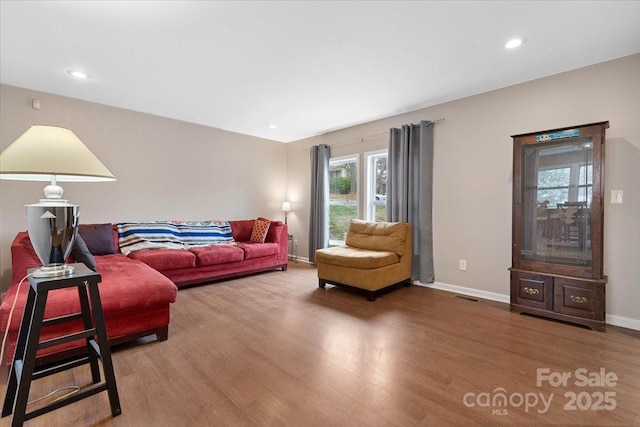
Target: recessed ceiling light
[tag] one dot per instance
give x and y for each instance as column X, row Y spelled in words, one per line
column 78, row 74
column 272, row 126
column 514, row 43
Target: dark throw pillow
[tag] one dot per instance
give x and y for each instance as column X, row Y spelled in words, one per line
column 81, row 253
column 99, row 238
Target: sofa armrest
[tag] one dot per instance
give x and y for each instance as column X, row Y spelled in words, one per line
column 279, row 233
column 23, row 256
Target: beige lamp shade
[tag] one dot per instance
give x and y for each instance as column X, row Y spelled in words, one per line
column 52, row 153
column 286, row 207
column 43, row 152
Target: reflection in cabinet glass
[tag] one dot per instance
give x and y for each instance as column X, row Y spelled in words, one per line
column 558, row 189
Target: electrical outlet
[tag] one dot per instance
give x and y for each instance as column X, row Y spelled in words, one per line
column 295, row 241
column 463, row 265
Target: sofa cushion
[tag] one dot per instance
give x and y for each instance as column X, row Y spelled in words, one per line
column 81, row 253
column 259, row 231
column 117, row 289
column 275, row 229
column 345, row 256
column 242, row 229
column 99, row 238
column 217, row 254
column 165, row 259
column 258, row 250
column 382, row 236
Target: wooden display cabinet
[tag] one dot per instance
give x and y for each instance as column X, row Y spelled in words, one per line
column 558, row 217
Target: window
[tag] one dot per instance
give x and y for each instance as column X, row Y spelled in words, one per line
column 343, row 196
column 553, row 185
column 376, row 198
column 585, row 184
column 561, row 185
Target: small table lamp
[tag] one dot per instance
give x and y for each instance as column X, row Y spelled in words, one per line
column 286, row 208
column 55, row 154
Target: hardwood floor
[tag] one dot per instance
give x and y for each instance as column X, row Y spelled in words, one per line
column 274, row 349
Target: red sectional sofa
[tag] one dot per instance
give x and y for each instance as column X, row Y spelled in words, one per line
column 137, row 290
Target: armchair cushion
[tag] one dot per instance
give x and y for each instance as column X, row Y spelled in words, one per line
column 356, row 258
column 377, row 236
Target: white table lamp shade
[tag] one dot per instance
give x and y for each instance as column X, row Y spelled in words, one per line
column 51, row 153
column 45, row 151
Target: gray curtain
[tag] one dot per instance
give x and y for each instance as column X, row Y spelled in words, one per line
column 319, row 208
column 410, row 188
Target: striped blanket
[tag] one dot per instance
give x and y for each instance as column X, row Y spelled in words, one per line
column 137, row 236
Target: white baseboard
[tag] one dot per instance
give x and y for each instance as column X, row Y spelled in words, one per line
column 493, row 296
column 623, row 322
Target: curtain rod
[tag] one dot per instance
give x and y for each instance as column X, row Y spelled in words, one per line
column 362, row 139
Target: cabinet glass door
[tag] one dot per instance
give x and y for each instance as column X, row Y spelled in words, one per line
column 557, row 184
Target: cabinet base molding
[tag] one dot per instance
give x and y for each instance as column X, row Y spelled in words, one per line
column 595, row 325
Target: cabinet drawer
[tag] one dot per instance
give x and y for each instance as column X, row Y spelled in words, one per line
column 578, row 298
column 532, row 290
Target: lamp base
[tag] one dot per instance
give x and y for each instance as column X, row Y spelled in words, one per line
column 54, row 270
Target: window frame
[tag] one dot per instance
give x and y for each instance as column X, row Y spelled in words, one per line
column 369, row 204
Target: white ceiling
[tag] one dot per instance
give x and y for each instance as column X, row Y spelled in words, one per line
column 307, row 67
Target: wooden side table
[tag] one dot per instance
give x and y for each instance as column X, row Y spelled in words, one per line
column 23, row 369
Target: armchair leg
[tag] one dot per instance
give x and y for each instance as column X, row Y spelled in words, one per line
column 321, row 283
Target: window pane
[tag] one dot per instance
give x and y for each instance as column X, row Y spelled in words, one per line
column 554, row 197
column 585, row 184
column 553, row 185
column 377, row 187
column 343, row 196
column 588, row 179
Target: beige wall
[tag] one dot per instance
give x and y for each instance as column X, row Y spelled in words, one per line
column 165, row 169
column 472, row 173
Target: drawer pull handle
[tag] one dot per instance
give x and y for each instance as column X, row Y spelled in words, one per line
column 530, row 291
column 579, row 300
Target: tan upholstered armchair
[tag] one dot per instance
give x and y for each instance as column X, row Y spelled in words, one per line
column 377, row 255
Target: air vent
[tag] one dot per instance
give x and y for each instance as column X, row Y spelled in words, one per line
column 466, row 298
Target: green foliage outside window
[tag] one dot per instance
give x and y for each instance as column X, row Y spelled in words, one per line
column 340, row 185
